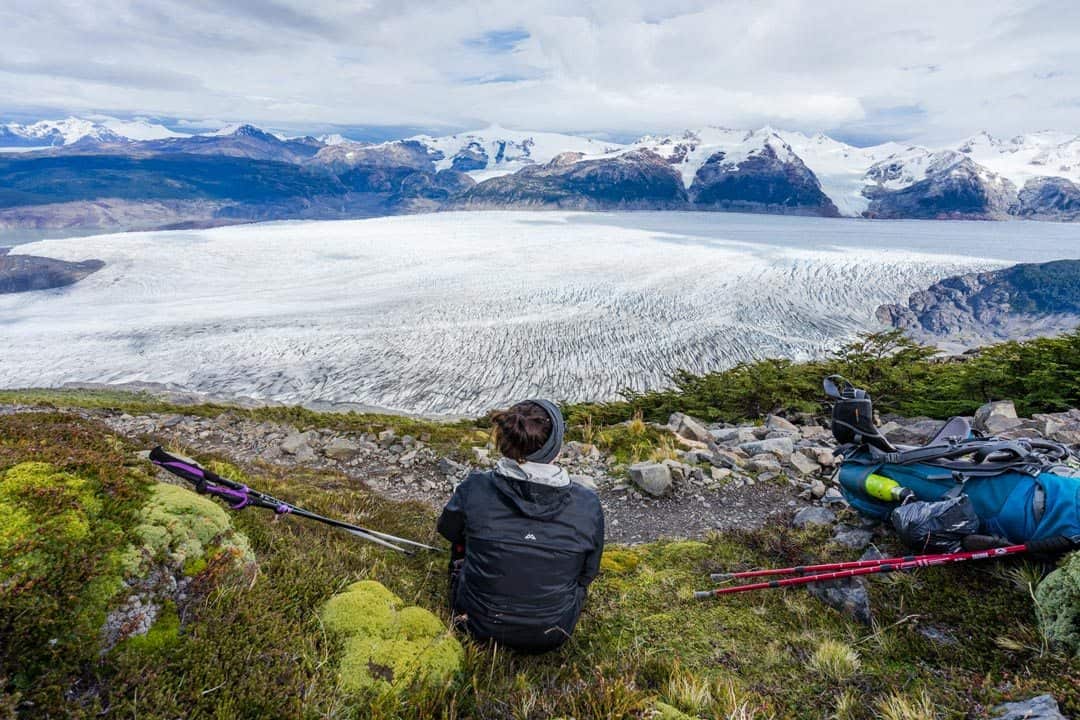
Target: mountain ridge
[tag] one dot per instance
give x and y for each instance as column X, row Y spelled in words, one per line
column 1035, row 176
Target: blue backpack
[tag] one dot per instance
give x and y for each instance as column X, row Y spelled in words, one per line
column 1015, row 491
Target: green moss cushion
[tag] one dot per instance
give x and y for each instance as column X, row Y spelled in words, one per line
column 387, row 645
column 186, row 530
column 1057, row 599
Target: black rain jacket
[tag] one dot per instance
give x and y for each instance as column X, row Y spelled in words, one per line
column 530, row 552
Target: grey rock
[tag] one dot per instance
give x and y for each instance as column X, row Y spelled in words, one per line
column 653, row 478
column 342, row 449
column 450, row 468
column 720, row 474
column 914, row 431
column 825, row 458
column 817, row 489
column 813, row 516
column 804, row 465
column 834, row 497
column 688, row 427
column 816, row 432
column 847, row 595
column 728, row 459
column 764, row 464
column 387, row 438
column 780, row 447
column 298, row 444
column 725, row 435
column 994, row 414
column 854, row 538
column 1040, row 707
column 779, row 424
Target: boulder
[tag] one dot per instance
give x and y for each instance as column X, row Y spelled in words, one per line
column 725, row 435
column 653, row 478
column 916, row 431
column 854, row 538
column 996, row 416
column 804, row 465
column 848, row 595
column 727, row 459
column 824, row 457
column 1040, row 707
column 816, row 432
column 688, row 427
column 342, row 449
column 779, row 424
column 813, row 516
column 720, row 474
column 298, row 444
column 764, row 464
column 450, row 468
column 780, row 447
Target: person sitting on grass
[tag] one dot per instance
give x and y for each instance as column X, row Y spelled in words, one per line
column 526, row 540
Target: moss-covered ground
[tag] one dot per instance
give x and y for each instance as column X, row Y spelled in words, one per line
column 644, row 647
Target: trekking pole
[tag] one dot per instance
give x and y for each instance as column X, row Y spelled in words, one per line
column 238, row 496
column 813, row 569
column 1049, row 546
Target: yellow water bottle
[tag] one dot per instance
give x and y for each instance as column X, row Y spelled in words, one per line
column 887, row 489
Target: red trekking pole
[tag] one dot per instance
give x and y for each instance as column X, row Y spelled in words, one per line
column 885, row 565
column 815, row 569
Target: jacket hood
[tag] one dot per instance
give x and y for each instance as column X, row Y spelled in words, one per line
column 537, row 490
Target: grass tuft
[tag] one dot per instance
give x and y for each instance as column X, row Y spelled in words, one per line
column 835, row 660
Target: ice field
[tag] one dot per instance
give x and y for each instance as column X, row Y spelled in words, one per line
column 459, row 312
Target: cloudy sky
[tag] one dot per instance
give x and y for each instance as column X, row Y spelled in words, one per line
column 928, row 70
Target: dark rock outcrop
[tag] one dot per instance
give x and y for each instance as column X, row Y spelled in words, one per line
column 23, row 273
column 1020, row 301
column 424, row 191
column 1049, row 198
column 955, row 188
column 762, row 182
column 471, row 157
column 635, row 180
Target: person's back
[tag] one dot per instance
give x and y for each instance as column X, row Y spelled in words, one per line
column 530, row 539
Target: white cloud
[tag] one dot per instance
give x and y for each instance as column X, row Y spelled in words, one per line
column 919, row 68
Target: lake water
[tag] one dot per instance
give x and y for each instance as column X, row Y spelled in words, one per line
column 460, row 312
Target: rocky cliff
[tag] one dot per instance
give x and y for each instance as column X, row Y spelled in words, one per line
column 22, row 273
column 1018, row 302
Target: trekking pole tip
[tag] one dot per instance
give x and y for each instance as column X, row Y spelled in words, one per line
column 719, row 577
column 703, row 594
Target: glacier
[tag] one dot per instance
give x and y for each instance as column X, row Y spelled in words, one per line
column 456, row 313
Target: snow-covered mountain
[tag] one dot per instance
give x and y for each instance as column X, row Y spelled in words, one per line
column 984, row 174
column 767, row 170
column 53, row 133
column 495, row 151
